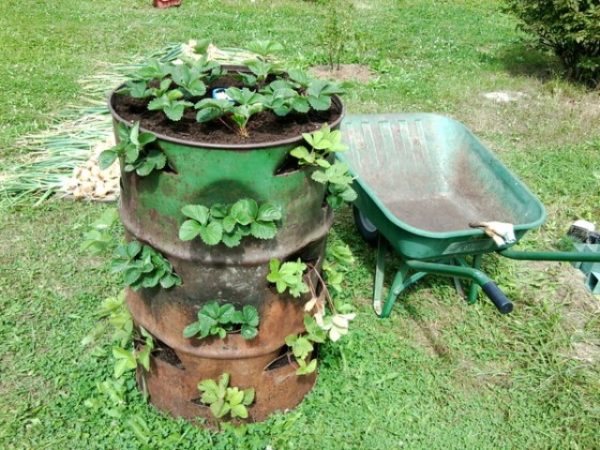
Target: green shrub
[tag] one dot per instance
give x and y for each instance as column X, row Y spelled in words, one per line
column 570, row 27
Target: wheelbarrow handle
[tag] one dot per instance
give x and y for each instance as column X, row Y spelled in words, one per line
column 497, row 297
column 493, row 292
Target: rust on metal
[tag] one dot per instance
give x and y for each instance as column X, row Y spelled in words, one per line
column 173, row 387
column 162, row 4
column 151, row 212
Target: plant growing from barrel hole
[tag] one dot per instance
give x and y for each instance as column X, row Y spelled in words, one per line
column 338, row 260
column 128, row 359
column 223, row 399
column 118, row 319
column 288, row 276
column 143, row 267
column 301, row 345
column 324, row 143
column 318, row 324
column 229, row 223
column 218, row 320
column 132, row 147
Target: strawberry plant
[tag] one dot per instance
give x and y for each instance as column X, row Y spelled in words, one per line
column 209, row 70
column 143, row 267
column 126, row 360
column 132, row 147
column 338, row 259
column 288, row 276
column 99, row 238
column 324, row 143
column 224, row 400
column 189, row 79
column 138, row 85
column 177, row 85
column 243, row 105
column 229, row 223
column 218, row 320
column 281, row 98
column 171, row 103
column 301, row 345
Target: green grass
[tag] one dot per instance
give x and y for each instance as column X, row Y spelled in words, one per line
column 438, row 373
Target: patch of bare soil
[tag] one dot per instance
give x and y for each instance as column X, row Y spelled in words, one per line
column 542, row 116
column 476, row 376
column 578, row 306
column 344, row 72
column 427, row 333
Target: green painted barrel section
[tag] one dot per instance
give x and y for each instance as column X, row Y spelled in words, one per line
column 151, row 206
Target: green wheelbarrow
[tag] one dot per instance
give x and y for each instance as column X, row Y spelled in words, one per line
column 422, row 179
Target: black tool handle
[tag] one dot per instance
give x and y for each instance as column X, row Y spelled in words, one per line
column 497, row 297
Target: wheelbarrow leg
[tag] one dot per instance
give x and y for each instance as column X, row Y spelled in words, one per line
column 474, row 289
column 396, row 288
column 401, row 282
column 379, row 274
column 384, row 310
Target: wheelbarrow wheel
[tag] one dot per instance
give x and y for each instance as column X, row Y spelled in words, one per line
column 367, row 230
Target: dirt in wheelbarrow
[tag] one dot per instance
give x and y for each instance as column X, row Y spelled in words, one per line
column 450, row 212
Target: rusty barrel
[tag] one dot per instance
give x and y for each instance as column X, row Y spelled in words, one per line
column 150, row 209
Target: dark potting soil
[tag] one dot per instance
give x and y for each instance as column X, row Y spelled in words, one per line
column 263, row 127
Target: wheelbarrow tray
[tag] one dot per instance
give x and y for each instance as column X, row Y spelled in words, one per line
column 422, row 178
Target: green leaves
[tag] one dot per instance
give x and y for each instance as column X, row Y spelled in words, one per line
column 171, row 104
column 570, row 29
column 319, row 94
column 151, row 160
column 302, row 347
column 125, row 360
column 143, row 267
column 300, row 93
column 197, row 212
column 224, row 400
column 249, row 319
column 174, row 86
column 217, row 320
column 261, row 69
column 137, row 89
column 324, row 143
column 133, row 149
column 265, row 48
column 243, row 96
column 338, row 260
column 288, row 276
column 143, row 356
column 211, row 109
column 249, row 104
column 325, row 140
column 189, row 80
column 229, row 223
column 244, row 211
column 153, row 70
column 99, row 238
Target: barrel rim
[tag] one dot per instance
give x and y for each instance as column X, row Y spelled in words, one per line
column 250, row 146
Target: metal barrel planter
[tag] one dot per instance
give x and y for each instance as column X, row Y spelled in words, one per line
column 150, row 209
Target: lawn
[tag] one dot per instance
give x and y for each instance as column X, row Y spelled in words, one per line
column 439, row 373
